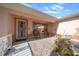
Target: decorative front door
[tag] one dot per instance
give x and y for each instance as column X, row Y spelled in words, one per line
column 21, row 29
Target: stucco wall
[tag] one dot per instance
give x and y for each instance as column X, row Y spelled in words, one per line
column 7, row 23
column 4, row 22
column 69, row 27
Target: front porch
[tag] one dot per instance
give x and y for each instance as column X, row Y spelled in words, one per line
column 25, row 28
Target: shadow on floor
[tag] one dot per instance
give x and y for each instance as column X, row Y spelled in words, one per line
column 53, row 53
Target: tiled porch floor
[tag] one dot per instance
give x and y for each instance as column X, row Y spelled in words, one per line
column 40, row 47
column 21, row 49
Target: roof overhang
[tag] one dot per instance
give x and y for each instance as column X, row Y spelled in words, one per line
column 69, row 17
column 29, row 11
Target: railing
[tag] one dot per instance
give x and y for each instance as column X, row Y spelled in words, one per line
column 5, row 44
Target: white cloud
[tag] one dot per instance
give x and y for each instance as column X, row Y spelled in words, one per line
column 54, row 9
column 57, row 7
column 46, row 8
column 59, row 17
column 49, row 11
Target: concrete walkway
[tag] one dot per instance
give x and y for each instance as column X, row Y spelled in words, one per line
column 42, row 47
column 21, row 49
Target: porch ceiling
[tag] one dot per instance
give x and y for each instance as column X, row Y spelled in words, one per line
column 42, row 21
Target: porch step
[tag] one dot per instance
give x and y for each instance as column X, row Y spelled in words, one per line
column 21, row 49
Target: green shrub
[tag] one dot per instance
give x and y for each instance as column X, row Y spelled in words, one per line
column 62, row 46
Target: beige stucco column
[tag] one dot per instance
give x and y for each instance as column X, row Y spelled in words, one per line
column 30, row 28
column 52, row 29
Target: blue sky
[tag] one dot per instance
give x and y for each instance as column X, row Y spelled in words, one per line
column 55, row 9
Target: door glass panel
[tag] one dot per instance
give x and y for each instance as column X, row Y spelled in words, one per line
column 21, row 33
